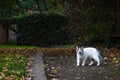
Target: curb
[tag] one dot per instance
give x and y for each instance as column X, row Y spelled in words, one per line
column 38, row 69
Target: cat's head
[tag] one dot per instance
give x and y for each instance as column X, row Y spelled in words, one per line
column 79, row 50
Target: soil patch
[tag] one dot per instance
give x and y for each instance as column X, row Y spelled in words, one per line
column 63, row 67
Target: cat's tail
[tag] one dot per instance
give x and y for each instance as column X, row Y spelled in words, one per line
column 101, row 57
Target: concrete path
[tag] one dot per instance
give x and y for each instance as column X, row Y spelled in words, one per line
column 38, row 69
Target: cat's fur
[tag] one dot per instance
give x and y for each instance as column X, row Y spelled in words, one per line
column 88, row 52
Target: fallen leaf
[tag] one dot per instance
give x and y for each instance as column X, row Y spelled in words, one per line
column 54, row 79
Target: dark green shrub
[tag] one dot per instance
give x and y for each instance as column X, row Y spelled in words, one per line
column 43, row 29
column 97, row 23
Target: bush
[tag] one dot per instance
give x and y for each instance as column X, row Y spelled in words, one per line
column 95, row 22
column 97, row 33
column 43, row 29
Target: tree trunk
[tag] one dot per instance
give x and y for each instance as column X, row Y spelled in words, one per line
column 38, row 6
column 118, row 16
column 45, row 5
column 74, row 15
column 20, row 7
column 7, row 33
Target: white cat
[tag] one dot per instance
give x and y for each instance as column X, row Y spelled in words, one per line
column 89, row 52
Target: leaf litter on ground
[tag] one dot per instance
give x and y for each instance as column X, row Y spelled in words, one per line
column 15, row 63
column 65, row 59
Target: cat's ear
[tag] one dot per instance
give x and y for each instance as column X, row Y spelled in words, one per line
column 82, row 48
column 77, row 48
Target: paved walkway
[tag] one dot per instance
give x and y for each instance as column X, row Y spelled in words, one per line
column 38, row 69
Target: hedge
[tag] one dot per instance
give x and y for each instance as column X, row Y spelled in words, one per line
column 42, row 30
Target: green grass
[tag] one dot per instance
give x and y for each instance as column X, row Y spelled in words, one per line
column 13, row 66
column 16, row 46
column 63, row 46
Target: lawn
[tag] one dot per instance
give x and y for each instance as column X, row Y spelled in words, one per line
column 12, row 66
column 15, row 62
column 16, row 46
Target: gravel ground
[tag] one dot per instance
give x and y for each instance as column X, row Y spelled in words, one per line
column 63, row 67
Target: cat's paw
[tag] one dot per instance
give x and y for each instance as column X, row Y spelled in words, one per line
column 83, row 65
column 90, row 64
column 98, row 65
column 77, row 65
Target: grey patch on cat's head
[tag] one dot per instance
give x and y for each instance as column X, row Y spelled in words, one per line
column 79, row 50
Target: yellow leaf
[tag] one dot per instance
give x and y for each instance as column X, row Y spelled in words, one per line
column 114, row 59
column 54, row 79
column 1, row 77
column 55, row 71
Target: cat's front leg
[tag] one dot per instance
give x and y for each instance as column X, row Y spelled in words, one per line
column 78, row 63
column 83, row 63
column 78, row 59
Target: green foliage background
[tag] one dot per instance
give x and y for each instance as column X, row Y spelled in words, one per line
column 94, row 22
column 65, row 21
column 43, row 29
